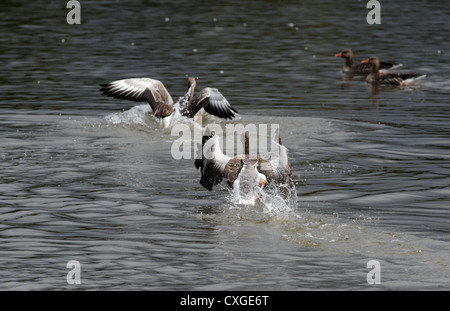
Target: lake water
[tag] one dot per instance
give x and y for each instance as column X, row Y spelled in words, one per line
column 89, row 178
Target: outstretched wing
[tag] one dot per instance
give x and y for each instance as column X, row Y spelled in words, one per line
column 212, row 163
column 139, row 90
column 213, row 102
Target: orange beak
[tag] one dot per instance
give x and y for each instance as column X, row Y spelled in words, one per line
column 261, row 183
column 163, row 125
column 366, row 61
column 338, row 54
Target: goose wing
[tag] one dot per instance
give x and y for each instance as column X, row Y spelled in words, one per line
column 213, row 102
column 140, row 90
column 212, row 163
column 389, row 65
column 281, row 165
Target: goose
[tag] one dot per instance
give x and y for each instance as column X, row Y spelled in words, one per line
column 361, row 69
column 243, row 172
column 214, row 165
column 155, row 93
column 388, row 78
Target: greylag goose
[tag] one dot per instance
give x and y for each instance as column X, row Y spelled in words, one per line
column 388, row 78
column 154, row 92
column 215, row 165
column 361, row 69
column 246, row 174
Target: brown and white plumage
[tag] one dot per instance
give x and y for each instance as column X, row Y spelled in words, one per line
column 154, row 92
column 396, row 79
column 282, row 168
column 216, row 166
column 361, row 69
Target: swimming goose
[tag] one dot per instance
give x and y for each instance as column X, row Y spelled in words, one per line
column 154, row 92
column 361, row 69
column 388, row 78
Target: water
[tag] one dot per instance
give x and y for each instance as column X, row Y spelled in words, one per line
column 89, row 178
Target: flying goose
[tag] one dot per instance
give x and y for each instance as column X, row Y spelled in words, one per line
column 388, row 78
column 243, row 171
column 361, row 69
column 154, row 92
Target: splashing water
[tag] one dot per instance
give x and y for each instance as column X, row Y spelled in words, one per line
column 138, row 115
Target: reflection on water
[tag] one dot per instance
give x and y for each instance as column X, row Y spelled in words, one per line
column 88, row 178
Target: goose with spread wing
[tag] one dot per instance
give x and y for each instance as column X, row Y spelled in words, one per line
column 397, row 79
column 154, row 92
column 362, row 69
column 243, row 172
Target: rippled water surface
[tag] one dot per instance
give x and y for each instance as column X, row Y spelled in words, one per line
column 85, row 177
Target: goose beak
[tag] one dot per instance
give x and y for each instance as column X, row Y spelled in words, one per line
column 338, row 54
column 366, row 61
column 261, row 183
